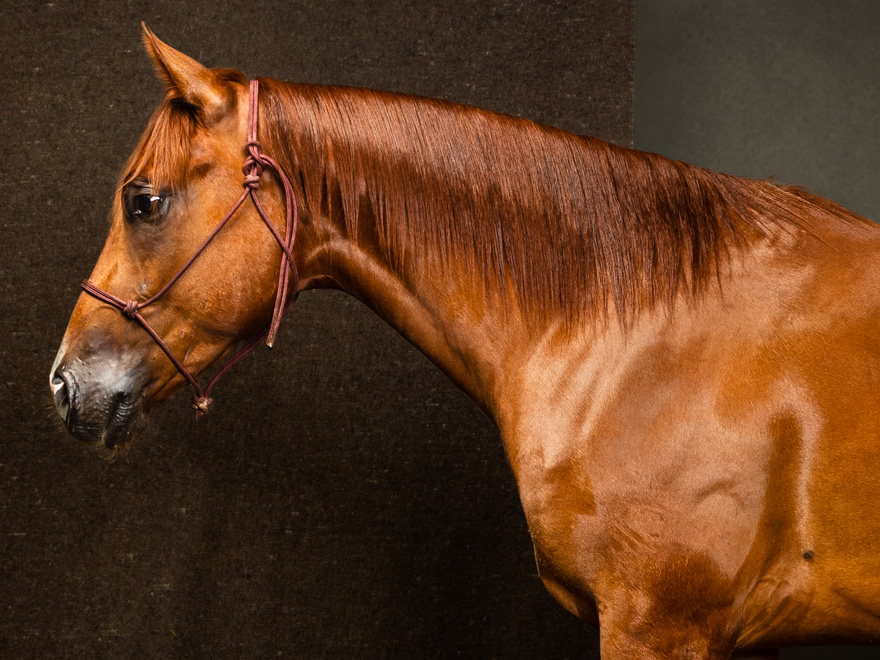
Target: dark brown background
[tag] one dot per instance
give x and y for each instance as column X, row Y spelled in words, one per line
column 343, row 499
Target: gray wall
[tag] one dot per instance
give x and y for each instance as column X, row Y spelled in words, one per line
column 783, row 88
column 789, row 88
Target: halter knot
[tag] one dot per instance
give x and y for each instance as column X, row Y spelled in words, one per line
column 130, row 309
column 253, row 166
column 201, row 404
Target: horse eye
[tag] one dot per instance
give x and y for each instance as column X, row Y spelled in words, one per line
column 143, row 205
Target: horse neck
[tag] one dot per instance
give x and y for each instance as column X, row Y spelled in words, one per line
column 443, row 304
column 443, row 310
column 368, row 161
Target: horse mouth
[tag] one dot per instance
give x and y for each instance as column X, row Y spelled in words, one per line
column 122, row 422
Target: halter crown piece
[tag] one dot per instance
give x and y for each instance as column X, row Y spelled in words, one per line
column 253, row 168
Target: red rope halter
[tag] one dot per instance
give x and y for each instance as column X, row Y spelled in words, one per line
column 253, row 168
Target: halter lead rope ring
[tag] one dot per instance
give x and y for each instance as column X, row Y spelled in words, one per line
column 253, row 168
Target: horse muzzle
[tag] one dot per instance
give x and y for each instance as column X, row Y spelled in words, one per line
column 99, row 403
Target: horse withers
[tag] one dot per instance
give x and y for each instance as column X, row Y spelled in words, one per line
column 683, row 365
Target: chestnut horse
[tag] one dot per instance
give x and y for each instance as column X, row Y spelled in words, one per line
column 684, row 365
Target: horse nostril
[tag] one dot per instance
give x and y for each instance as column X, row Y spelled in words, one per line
column 62, row 386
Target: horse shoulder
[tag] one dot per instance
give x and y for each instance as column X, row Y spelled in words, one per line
column 603, row 458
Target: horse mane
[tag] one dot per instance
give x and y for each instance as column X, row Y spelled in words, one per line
column 575, row 227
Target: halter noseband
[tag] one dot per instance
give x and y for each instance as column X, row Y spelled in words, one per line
column 253, row 168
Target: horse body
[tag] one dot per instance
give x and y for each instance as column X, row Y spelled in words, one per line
column 689, row 405
column 701, row 476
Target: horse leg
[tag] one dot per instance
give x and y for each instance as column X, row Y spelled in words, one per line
column 677, row 644
column 673, row 643
column 641, row 626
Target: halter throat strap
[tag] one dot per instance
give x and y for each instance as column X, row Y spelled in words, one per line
column 254, row 166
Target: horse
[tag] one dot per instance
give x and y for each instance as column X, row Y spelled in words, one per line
column 683, row 364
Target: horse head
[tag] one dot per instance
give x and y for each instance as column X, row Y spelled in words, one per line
column 184, row 174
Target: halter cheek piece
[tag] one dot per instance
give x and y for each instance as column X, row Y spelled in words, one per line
column 254, row 166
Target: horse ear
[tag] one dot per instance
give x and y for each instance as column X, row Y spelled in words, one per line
column 188, row 80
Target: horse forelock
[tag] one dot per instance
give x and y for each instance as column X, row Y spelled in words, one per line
column 163, row 152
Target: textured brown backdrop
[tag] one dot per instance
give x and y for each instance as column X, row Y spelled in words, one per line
column 343, row 500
